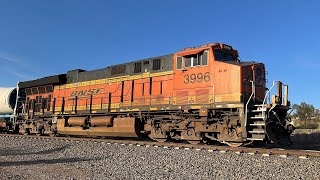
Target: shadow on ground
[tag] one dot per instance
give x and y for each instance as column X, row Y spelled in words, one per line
column 45, row 161
column 14, row 152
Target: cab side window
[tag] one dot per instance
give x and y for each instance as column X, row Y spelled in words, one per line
column 204, row 58
column 179, row 62
column 200, row 59
column 187, row 61
column 222, row 56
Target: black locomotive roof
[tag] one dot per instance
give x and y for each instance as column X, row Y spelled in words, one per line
column 155, row 64
column 56, row 79
column 242, row 63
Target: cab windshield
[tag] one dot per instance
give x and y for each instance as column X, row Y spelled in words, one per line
column 223, row 56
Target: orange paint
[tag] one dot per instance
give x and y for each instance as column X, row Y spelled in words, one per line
column 201, row 79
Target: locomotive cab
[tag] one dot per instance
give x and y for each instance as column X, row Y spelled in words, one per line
column 231, row 93
column 216, row 70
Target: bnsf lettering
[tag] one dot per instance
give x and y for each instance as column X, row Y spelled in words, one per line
column 86, row 92
column 82, row 93
column 91, row 91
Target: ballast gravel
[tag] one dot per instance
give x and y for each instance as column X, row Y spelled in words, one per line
column 28, row 158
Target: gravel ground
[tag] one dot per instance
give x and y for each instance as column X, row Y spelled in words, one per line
column 24, row 158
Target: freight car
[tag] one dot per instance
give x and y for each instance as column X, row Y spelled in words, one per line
column 7, row 103
column 198, row 94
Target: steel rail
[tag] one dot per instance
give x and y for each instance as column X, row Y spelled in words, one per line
column 263, row 151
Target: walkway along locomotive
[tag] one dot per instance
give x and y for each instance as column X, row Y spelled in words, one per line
column 197, row 94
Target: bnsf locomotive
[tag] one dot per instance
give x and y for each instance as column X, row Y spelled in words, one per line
column 198, row 94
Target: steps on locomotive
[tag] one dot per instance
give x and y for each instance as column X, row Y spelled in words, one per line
column 260, row 108
column 257, row 123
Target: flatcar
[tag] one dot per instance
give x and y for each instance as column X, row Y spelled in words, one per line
column 198, row 94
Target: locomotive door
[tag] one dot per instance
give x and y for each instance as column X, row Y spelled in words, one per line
column 192, row 77
column 259, row 80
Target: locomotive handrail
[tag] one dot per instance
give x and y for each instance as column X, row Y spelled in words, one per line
column 265, row 97
column 82, row 103
column 246, row 113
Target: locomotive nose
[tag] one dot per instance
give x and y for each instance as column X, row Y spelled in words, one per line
column 254, row 72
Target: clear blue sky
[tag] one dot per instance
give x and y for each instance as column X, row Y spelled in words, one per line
column 41, row 37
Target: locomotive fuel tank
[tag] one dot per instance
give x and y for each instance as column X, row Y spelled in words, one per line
column 77, row 121
column 101, row 126
column 7, row 100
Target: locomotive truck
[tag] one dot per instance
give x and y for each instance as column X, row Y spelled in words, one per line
column 198, row 94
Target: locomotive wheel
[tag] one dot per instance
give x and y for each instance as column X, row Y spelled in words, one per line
column 190, row 136
column 194, row 142
column 52, row 135
column 41, row 132
column 161, row 140
column 234, row 144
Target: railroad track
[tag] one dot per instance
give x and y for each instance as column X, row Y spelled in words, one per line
column 303, row 154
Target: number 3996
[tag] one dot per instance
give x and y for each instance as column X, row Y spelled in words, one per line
column 196, row 78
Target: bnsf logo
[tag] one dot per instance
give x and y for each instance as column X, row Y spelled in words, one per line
column 86, row 92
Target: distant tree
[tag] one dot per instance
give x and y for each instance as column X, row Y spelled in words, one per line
column 307, row 113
